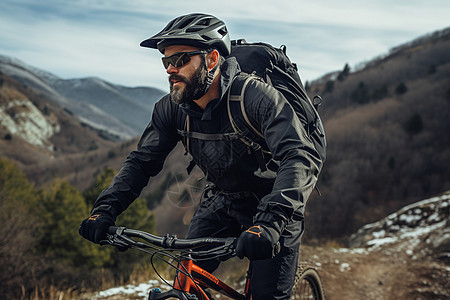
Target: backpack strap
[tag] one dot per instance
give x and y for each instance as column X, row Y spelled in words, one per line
column 239, row 98
column 254, row 146
column 187, row 134
column 208, row 136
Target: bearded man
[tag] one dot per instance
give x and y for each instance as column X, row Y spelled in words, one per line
column 264, row 211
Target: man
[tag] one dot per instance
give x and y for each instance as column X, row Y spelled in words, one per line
column 263, row 210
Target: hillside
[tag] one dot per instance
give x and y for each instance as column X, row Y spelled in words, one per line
column 48, row 141
column 33, row 131
column 116, row 111
column 69, row 129
column 387, row 126
column 402, row 256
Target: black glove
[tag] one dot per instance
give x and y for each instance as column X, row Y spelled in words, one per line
column 94, row 228
column 258, row 242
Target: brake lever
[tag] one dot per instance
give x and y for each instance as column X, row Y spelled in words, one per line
column 110, row 240
column 228, row 248
column 105, row 242
column 119, row 240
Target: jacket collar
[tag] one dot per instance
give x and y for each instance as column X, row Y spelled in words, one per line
column 227, row 72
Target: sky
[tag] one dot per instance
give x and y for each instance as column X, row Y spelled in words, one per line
column 100, row 38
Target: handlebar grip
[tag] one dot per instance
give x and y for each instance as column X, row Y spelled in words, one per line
column 112, row 230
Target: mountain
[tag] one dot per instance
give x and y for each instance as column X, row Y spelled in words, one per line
column 131, row 106
column 35, row 131
column 46, row 140
column 118, row 112
column 49, row 135
column 388, row 131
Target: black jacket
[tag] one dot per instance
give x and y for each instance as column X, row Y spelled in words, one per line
column 228, row 164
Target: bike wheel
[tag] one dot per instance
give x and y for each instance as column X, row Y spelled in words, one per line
column 307, row 284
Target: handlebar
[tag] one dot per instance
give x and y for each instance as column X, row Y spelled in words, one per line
column 122, row 237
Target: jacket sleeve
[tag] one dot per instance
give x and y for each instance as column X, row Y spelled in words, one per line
column 289, row 144
column 157, row 141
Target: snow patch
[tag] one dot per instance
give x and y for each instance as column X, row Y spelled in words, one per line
column 141, row 290
column 381, row 241
column 344, row 267
column 409, row 218
column 423, row 222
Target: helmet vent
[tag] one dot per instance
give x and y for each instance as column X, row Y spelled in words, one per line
column 169, row 25
column 194, row 29
column 223, row 31
column 185, row 23
column 204, row 22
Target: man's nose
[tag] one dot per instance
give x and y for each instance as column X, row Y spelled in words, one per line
column 171, row 69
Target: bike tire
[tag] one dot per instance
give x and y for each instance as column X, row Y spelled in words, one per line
column 307, row 284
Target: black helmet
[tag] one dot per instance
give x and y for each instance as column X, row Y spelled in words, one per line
column 198, row 30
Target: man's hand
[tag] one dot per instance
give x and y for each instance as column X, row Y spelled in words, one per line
column 94, row 228
column 258, row 242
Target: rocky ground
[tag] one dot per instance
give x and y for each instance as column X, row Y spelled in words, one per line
column 349, row 274
column 404, row 256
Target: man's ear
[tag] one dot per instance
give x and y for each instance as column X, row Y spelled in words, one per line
column 212, row 59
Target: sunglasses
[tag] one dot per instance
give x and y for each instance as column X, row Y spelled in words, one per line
column 180, row 58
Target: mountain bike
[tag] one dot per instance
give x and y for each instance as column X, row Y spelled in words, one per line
column 191, row 282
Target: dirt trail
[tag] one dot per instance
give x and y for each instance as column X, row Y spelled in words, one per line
column 382, row 274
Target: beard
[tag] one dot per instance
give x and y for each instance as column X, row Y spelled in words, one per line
column 194, row 86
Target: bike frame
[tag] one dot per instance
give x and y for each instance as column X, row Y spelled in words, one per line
column 190, row 280
column 204, row 279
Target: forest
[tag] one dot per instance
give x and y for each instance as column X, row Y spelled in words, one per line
column 41, row 250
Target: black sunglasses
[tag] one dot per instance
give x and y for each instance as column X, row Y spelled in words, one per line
column 180, row 58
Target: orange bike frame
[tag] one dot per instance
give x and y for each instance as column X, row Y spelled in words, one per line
column 204, row 279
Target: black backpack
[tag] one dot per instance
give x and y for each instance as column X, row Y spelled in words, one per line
column 272, row 65
column 264, row 62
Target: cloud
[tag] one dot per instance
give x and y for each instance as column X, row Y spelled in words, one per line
column 101, row 38
column 70, row 47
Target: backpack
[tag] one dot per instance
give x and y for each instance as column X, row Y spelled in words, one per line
column 273, row 66
column 264, row 62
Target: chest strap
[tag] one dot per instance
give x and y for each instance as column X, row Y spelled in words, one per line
column 209, row 136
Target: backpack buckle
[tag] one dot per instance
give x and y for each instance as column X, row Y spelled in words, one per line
column 231, row 136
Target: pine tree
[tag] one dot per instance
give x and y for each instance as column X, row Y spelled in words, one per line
column 102, row 181
column 20, row 232
column 136, row 216
column 62, row 207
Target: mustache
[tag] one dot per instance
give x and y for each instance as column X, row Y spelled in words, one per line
column 176, row 77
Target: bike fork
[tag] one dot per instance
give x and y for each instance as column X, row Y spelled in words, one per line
column 247, row 292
